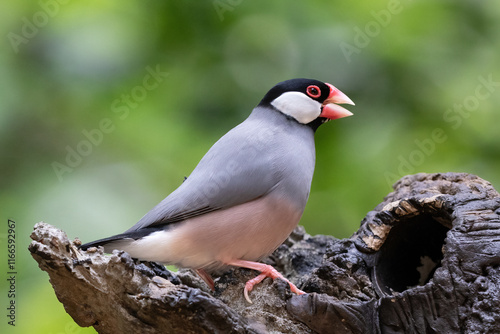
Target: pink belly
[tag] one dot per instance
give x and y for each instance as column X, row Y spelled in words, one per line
column 248, row 231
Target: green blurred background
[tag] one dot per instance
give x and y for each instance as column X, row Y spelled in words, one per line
column 425, row 76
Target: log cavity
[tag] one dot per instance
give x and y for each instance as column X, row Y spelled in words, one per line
column 411, row 253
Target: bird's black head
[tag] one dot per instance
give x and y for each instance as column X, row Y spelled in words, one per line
column 308, row 101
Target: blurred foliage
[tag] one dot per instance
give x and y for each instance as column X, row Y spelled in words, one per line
column 411, row 67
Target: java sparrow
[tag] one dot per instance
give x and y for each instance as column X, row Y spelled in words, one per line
column 247, row 193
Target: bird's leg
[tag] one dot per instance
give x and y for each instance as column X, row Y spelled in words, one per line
column 206, row 277
column 266, row 271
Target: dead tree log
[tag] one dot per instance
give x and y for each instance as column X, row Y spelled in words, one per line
column 426, row 260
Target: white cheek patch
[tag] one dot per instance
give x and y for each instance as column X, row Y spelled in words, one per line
column 298, row 105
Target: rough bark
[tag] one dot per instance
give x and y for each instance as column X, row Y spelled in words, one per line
column 426, row 260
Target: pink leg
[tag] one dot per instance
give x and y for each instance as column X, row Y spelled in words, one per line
column 206, row 277
column 266, row 271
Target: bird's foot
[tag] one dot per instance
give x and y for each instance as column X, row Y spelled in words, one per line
column 266, row 271
column 207, row 278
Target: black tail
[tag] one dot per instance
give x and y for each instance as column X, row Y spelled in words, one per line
column 129, row 235
column 101, row 242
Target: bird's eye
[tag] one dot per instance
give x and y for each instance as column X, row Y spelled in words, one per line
column 313, row 91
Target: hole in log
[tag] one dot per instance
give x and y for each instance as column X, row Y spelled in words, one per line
column 410, row 254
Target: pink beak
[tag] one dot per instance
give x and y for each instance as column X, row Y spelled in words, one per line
column 333, row 111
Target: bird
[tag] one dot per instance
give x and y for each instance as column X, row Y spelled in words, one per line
column 247, row 193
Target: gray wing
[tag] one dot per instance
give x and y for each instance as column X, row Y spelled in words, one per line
column 238, row 168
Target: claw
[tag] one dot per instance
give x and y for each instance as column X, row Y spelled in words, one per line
column 250, row 284
column 245, row 293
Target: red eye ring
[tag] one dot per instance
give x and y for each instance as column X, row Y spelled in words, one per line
column 313, row 91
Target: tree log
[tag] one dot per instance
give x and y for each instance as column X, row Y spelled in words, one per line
column 426, row 260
